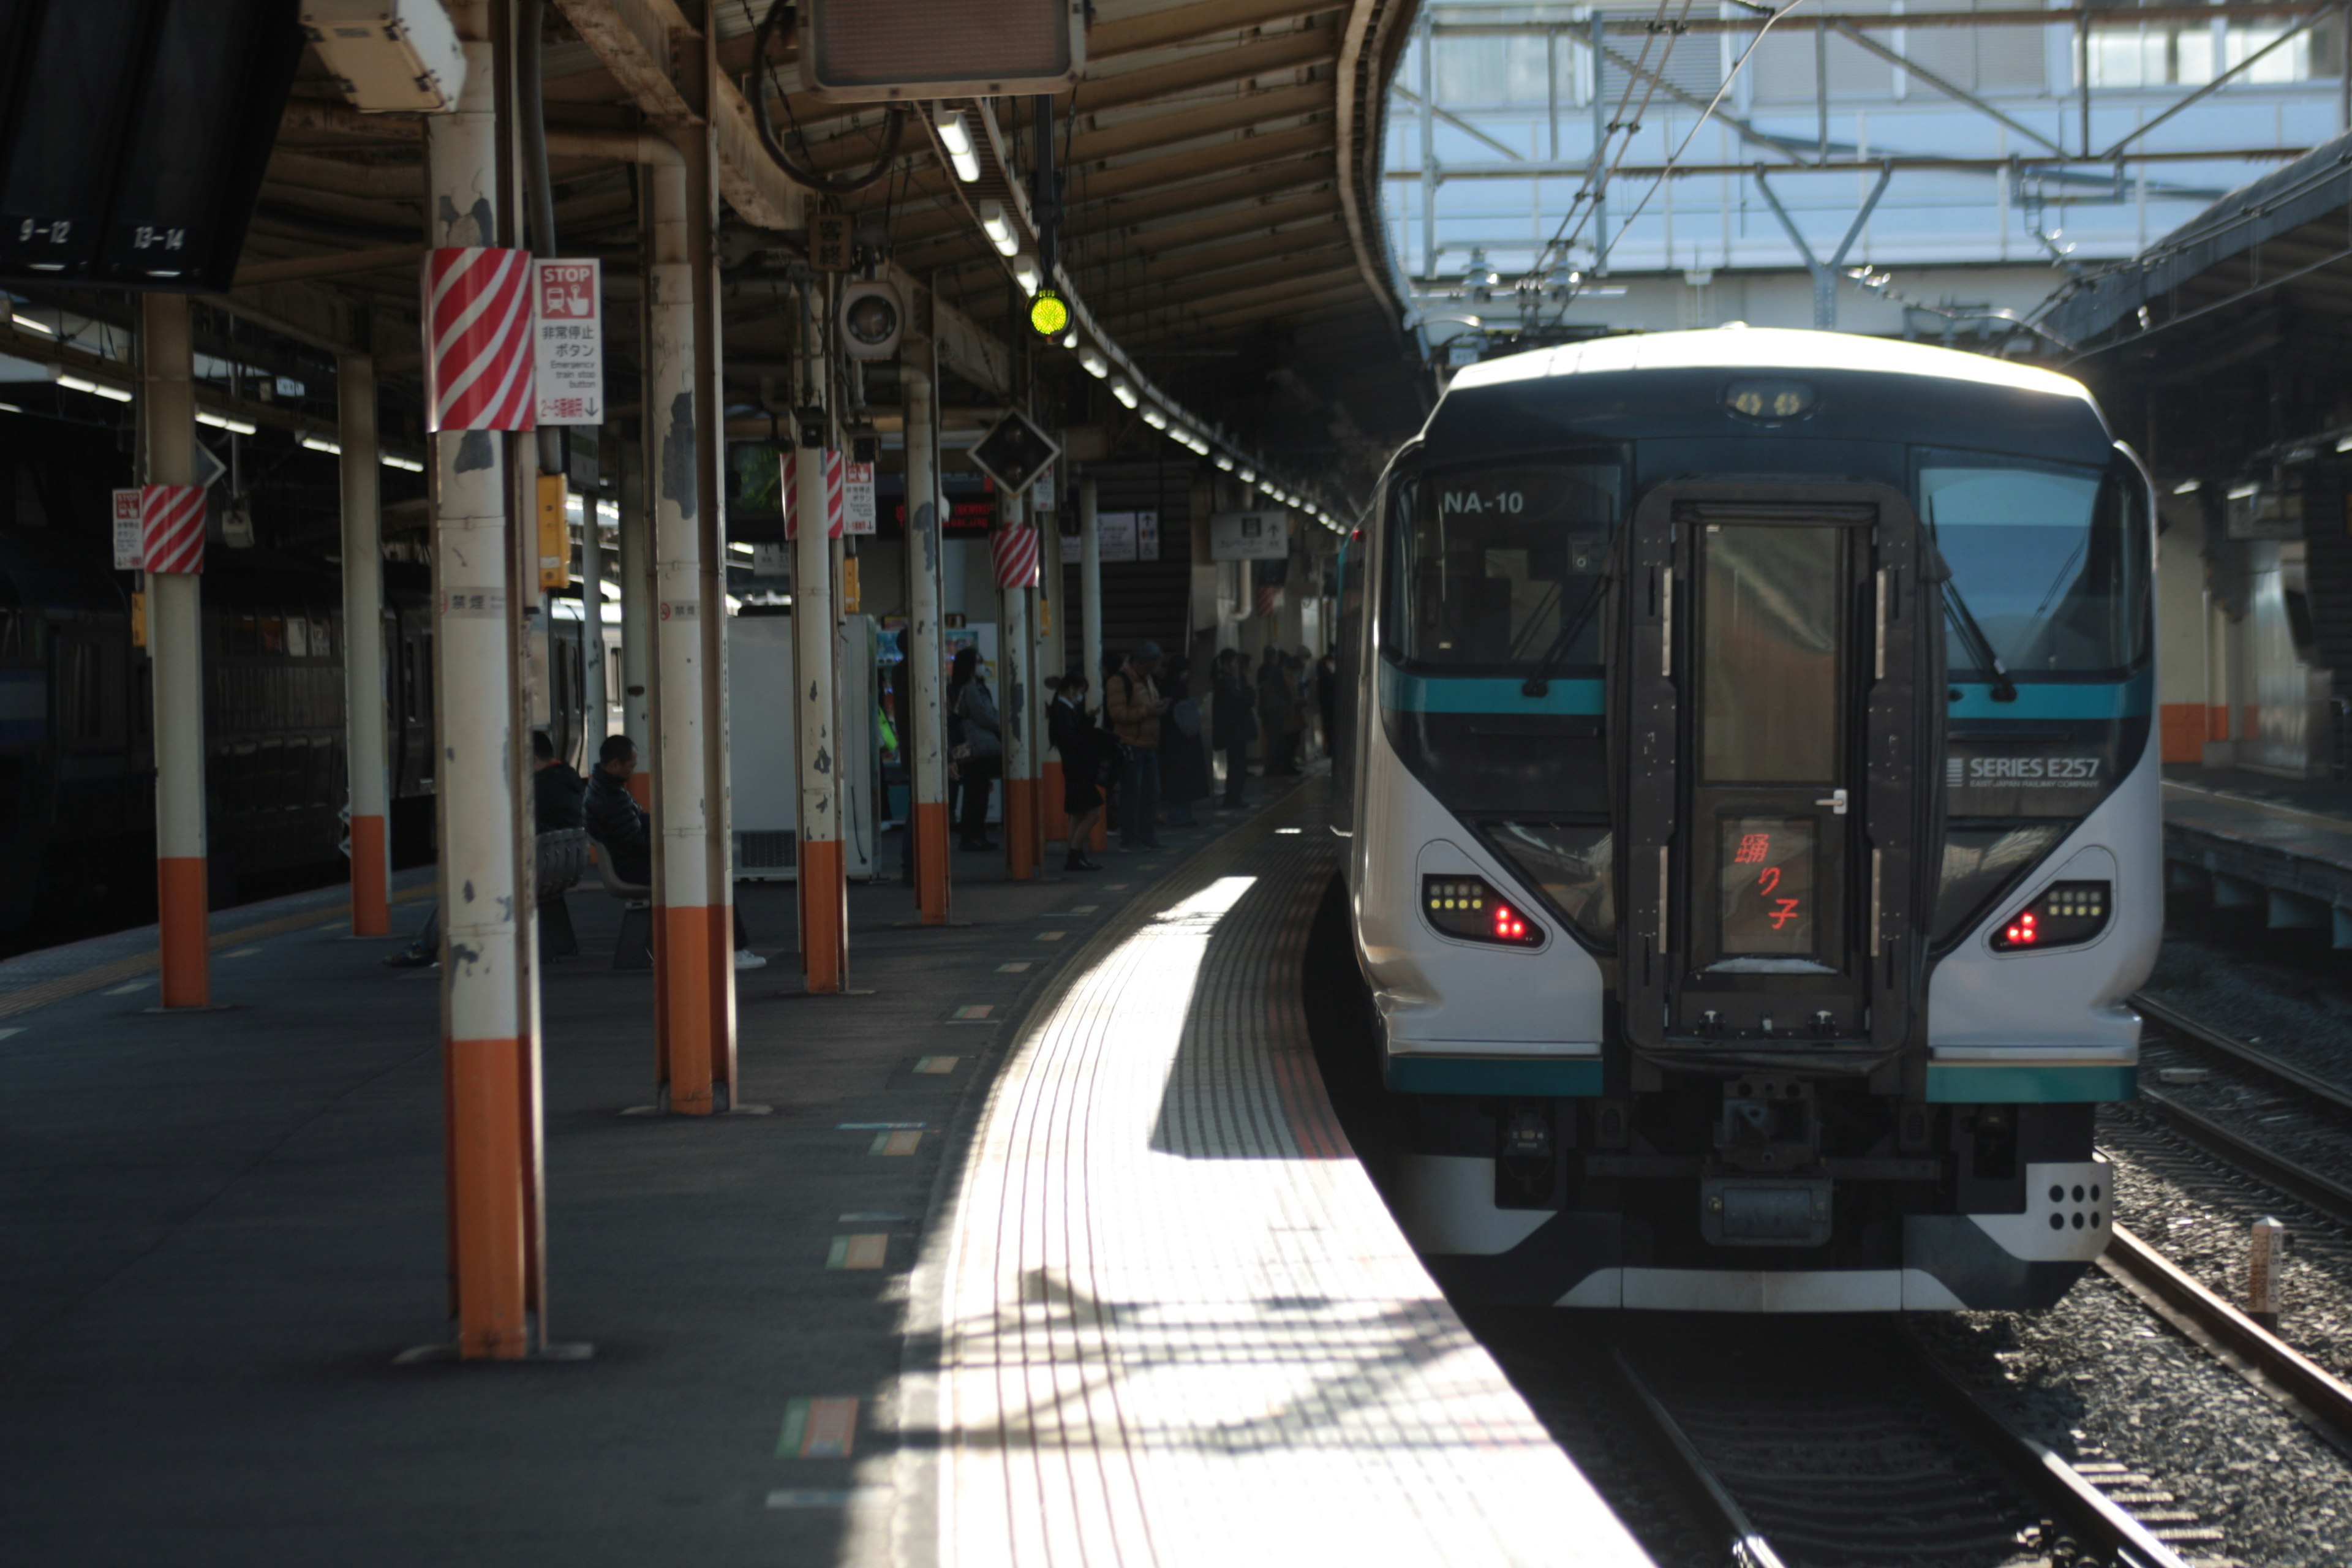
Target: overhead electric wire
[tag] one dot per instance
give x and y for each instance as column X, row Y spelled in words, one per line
column 1587, row 201
column 894, row 126
column 1707, row 114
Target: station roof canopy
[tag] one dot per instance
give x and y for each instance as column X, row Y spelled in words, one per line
column 2227, row 337
column 1220, row 225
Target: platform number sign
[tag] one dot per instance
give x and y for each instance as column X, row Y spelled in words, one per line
column 568, row 342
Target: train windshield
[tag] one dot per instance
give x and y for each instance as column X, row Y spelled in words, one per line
column 2049, row 559
column 1496, row 568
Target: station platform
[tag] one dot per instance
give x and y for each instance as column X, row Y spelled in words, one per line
column 1050, row 1248
column 2250, row 840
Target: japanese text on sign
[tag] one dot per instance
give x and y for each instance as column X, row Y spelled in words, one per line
column 568, row 342
column 1767, row 903
column 856, row 498
column 127, row 557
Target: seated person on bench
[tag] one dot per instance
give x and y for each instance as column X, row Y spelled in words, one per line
column 617, row 823
column 555, row 792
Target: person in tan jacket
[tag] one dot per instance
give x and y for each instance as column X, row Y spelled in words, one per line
column 1135, row 706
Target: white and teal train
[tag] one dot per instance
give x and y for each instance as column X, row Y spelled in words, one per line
column 1754, row 830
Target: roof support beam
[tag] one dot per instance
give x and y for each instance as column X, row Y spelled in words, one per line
column 1192, row 22
column 1210, row 68
column 1243, row 111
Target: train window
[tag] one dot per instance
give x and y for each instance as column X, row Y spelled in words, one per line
column 2050, row 559
column 1496, row 567
column 1769, row 604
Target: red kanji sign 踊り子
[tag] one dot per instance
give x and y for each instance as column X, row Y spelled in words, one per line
column 479, row 313
column 1014, row 550
column 172, row 528
column 833, row 510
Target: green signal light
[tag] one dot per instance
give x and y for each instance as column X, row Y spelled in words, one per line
column 1048, row 313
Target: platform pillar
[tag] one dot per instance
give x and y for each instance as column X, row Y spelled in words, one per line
column 489, row 992
column 635, row 584
column 684, row 1028
column 927, row 720
column 711, row 476
column 1052, row 638
column 175, row 652
column 1015, row 651
column 821, row 886
column 595, row 689
column 363, row 711
column 1090, row 612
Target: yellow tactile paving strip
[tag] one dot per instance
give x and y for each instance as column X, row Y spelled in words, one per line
column 1176, row 1323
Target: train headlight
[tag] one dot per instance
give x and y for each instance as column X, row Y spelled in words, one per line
column 1470, row 909
column 2066, row 914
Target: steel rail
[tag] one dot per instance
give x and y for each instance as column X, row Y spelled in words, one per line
column 2322, row 1400
column 1748, row 1547
column 2180, row 1023
column 2293, row 1177
column 2096, row 1520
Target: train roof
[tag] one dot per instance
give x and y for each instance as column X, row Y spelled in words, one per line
column 1671, row 385
column 1786, row 350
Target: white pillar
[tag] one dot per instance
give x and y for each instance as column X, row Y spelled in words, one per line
column 822, row 888
column 1015, row 654
column 489, row 993
column 176, row 651
column 595, row 698
column 926, row 739
column 1090, row 582
column 636, row 598
column 680, row 787
column 364, row 716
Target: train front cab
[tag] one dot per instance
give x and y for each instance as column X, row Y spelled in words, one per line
column 1759, row 941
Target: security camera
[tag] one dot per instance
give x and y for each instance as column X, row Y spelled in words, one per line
column 872, row 319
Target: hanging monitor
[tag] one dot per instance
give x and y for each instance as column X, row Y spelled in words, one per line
column 134, row 136
column 866, row 51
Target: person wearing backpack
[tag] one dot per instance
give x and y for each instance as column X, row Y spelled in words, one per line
column 1183, row 767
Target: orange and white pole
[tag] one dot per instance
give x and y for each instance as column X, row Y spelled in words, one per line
column 927, row 718
column 1090, row 608
column 1016, row 651
column 1053, row 816
column 363, row 716
column 489, row 997
column 822, row 882
column 681, row 819
column 176, row 651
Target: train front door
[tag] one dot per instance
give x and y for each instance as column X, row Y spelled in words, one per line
column 1767, row 684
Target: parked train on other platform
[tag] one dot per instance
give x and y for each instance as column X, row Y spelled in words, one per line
column 1755, row 834
column 76, row 743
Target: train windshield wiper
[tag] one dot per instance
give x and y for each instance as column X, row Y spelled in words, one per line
column 1956, row 614
column 1539, row 683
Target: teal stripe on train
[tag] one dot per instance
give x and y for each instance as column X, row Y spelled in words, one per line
column 2132, row 699
column 2030, row 1083
column 1403, row 692
column 1578, row 1077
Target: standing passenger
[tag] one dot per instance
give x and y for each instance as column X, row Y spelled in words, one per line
column 1183, row 768
column 981, row 756
column 1235, row 721
column 1072, row 730
column 1135, row 707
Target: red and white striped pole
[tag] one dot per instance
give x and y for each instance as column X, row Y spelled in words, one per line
column 477, row 318
column 1014, row 550
column 814, row 481
column 172, row 547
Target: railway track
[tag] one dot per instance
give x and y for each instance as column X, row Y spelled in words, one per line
column 1848, row 1445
